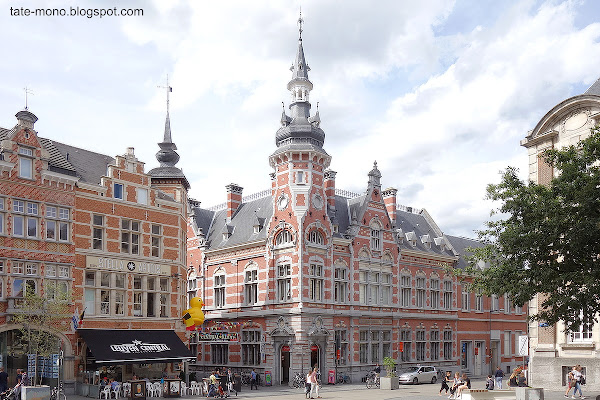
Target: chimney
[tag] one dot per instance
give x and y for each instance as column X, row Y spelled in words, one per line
column 330, row 187
column 234, row 199
column 26, row 119
column 389, row 198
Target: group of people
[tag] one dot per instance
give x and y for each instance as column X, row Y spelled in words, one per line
column 22, row 380
column 455, row 385
column 575, row 379
column 312, row 384
column 221, row 383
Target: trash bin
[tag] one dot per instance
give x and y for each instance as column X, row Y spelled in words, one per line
column 237, row 383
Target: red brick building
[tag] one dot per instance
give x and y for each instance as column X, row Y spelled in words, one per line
column 99, row 226
column 305, row 273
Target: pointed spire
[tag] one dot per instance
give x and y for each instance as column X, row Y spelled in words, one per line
column 167, row 156
column 375, row 176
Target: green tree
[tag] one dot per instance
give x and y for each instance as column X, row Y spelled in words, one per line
column 42, row 319
column 546, row 238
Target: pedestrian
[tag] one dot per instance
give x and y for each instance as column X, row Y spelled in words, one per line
column 578, row 376
column 456, row 382
column 307, row 385
column 489, row 383
column 230, row 380
column 253, row 379
column 446, row 382
column 466, row 384
column 3, row 380
column 499, row 375
column 377, row 369
column 314, row 384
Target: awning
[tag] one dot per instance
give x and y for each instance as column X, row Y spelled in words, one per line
column 117, row 346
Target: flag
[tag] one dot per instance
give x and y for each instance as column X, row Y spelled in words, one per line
column 75, row 320
column 170, row 89
column 81, row 317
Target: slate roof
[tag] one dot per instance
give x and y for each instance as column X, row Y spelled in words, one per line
column 594, row 89
column 90, row 166
column 461, row 244
column 417, row 223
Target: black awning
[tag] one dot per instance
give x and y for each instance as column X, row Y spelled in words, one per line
column 117, row 346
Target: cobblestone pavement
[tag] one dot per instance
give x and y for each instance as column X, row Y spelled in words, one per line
column 357, row 392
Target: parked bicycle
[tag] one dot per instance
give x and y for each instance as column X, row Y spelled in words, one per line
column 372, row 380
column 343, row 378
column 298, row 380
column 58, row 393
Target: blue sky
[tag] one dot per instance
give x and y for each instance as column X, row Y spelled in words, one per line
column 439, row 93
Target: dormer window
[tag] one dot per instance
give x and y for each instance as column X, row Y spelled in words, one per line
column 411, row 237
column 426, row 240
column 118, row 191
column 25, row 163
column 256, row 228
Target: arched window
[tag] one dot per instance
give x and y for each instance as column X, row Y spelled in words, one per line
column 375, row 235
column 283, row 237
column 315, row 237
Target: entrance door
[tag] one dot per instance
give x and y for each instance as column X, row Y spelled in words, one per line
column 479, row 352
column 314, row 357
column 495, row 358
column 285, row 366
column 465, row 355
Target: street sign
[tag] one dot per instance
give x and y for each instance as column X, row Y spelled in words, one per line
column 523, row 345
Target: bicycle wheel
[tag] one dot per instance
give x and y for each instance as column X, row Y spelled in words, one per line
column 369, row 383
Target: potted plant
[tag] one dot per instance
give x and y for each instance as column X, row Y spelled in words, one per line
column 390, row 381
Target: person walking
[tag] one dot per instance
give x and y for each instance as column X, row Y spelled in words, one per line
column 498, row 376
column 446, row 382
column 253, row 379
column 3, row 380
column 307, row 385
column 314, row 384
column 230, row 380
column 577, row 375
column 570, row 382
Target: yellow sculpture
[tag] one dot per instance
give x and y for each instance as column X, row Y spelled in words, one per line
column 193, row 317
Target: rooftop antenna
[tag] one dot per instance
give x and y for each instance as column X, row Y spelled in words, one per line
column 169, row 90
column 300, row 22
column 28, row 91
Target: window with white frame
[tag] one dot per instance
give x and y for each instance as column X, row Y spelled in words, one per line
column 447, row 341
column 251, row 347
column 363, row 286
column 341, row 339
column 465, row 298
column 374, row 281
column 251, row 285
column 495, row 305
column 375, row 236
column 448, row 295
column 57, row 223
column 507, row 344
column 479, row 301
column 434, row 343
column 156, row 239
column 420, row 292
column 25, row 163
column 284, row 282
column 25, row 219
column 434, row 293
column 138, row 297
column 406, row 340
column 386, row 344
column 22, row 287
column 340, row 286
column 315, row 282
column 363, row 347
column 283, row 237
column 421, row 344
column 56, row 285
column 118, row 191
column 405, row 291
column 583, row 333
column 2, row 216
column 98, row 232
column 316, row 237
column 142, row 195
column 507, row 305
column 219, row 289
column 375, row 346
column 130, row 236
column 518, row 309
column 386, row 288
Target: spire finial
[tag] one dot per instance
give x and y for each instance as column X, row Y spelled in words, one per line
column 169, row 90
column 300, row 22
column 27, row 92
column 283, row 106
column 317, row 106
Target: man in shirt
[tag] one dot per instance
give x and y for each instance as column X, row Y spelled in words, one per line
column 498, row 375
column 253, row 379
column 3, row 380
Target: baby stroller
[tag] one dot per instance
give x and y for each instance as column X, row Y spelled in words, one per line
column 8, row 395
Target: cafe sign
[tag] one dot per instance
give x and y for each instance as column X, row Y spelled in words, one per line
column 115, row 264
column 218, row 337
column 137, row 346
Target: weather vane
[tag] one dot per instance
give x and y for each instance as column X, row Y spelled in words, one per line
column 169, row 90
column 28, row 91
column 300, row 22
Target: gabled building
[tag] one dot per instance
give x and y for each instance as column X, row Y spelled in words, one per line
column 306, row 274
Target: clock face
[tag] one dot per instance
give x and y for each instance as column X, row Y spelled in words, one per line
column 282, row 202
column 317, row 201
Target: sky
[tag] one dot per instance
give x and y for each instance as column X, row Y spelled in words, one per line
column 439, row 93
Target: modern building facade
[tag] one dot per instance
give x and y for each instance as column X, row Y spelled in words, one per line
column 554, row 350
column 306, row 274
column 100, row 227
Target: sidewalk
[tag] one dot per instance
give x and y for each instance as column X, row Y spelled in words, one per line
column 356, row 391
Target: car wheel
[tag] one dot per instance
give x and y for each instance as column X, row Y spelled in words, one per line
column 433, row 380
column 416, row 381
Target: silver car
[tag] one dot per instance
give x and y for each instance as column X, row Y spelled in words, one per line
column 419, row 374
